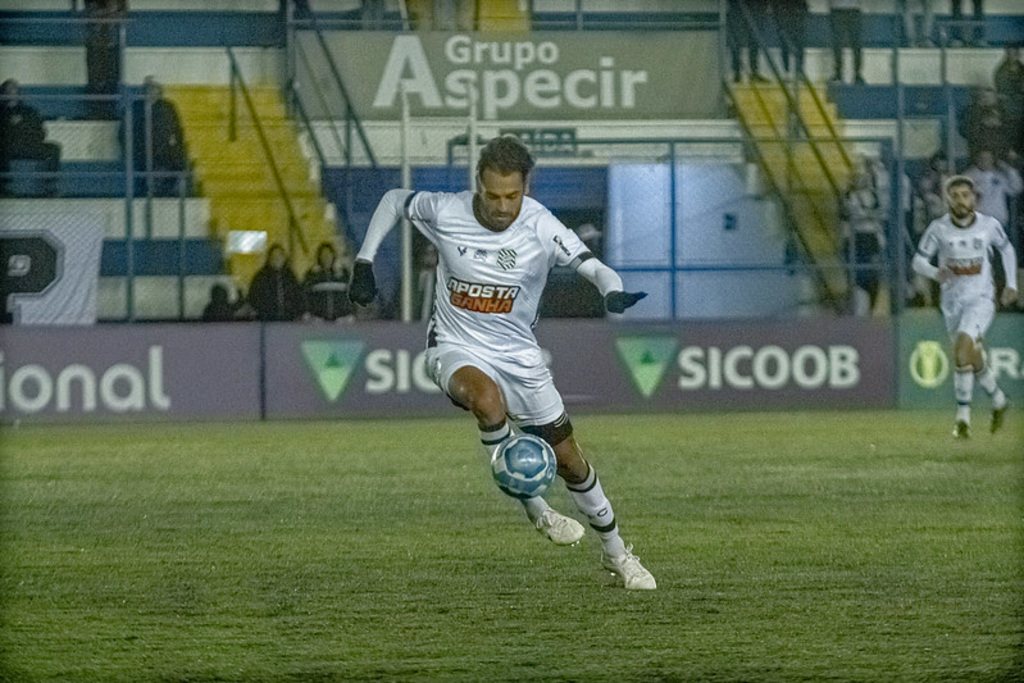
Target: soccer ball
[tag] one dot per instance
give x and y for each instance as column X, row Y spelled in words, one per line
column 524, row 466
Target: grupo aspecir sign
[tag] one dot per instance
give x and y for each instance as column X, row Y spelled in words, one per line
column 549, row 75
column 129, row 371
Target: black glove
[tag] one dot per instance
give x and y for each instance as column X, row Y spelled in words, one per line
column 617, row 302
column 363, row 287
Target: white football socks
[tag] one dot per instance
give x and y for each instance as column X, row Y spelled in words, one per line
column 963, row 388
column 987, row 380
column 492, row 439
column 591, row 501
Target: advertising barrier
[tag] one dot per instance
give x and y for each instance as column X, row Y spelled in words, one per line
column 161, row 371
column 377, row 369
column 926, row 366
column 288, row 371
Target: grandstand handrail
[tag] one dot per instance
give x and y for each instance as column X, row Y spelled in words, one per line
column 794, row 106
column 345, row 147
column 788, row 209
column 351, row 117
column 294, row 229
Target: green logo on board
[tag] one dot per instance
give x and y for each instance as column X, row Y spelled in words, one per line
column 332, row 363
column 646, row 358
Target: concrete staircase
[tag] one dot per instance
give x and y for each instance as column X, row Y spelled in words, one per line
column 238, row 178
column 807, row 168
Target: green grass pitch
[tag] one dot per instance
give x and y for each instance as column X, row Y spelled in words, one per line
column 859, row 546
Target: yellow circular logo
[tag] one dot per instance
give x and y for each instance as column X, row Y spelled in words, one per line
column 929, row 365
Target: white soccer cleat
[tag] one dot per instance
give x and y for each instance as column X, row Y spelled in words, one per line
column 627, row 567
column 560, row 529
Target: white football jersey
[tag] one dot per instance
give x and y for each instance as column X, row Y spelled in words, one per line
column 965, row 252
column 489, row 284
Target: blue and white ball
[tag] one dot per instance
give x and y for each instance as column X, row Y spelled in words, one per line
column 524, row 466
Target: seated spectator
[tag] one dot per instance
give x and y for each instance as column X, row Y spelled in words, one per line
column 221, row 308
column 275, row 292
column 326, row 285
column 23, row 136
column 983, row 124
column 158, row 146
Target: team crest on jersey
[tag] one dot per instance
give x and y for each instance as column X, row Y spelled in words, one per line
column 507, row 259
column 480, row 255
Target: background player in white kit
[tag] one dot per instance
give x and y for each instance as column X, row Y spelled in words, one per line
column 495, row 247
column 962, row 239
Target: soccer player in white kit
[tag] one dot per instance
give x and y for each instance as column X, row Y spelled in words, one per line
column 961, row 239
column 495, row 247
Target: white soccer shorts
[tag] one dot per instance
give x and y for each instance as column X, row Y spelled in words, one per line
column 530, row 394
column 972, row 317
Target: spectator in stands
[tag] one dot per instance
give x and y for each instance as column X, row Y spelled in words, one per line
column 158, row 147
column 103, row 54
column 929, row 204
column 983, row 124
column 791, row 18
column 326, row 285
column 996, row 182
column 1009, row 82
column 845, row 18
column 911, row 36
column 968, row 32
column 220, row 308
column 275, row 292
column 23, row 136
column 742, row 35
column 864, row 230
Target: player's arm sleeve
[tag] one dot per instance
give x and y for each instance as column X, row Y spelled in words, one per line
column 604, row 278
column 387, row 214
column 1009, row 256
column 921, row 265
column 922, row 261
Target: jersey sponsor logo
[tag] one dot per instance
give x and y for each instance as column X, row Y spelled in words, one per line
column 481, row 298
column 964, row 266
column 507, row 259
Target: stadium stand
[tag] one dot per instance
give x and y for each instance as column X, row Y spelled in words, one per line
column 181, row 43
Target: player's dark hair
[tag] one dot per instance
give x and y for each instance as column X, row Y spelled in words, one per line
column 957, row 180
column 505, row 154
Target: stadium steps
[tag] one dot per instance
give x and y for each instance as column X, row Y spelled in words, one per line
column 503, row 16
column 238, row 178
column 807, row 166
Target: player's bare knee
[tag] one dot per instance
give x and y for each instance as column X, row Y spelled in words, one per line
column 967, row 352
